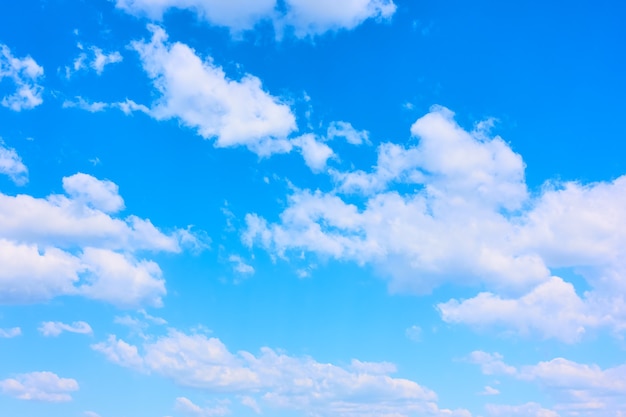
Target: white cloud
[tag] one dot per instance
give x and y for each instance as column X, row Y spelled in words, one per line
column 39, row 386
column 280, row 381
column 83, row 218
column 305, row 18
column 237, row 15
column 92, row 58
column 81, row 103
column 554, row 298
column 414, row 333
column 490, row 391
column 349, row 133
column 10, row 333
column 251, row 403
column 491, row 363
column 314, row 152
column 127, row 107
column 74, row 245
column 11, row 164
column 102, row 59
column 310, row 18
column 464, row 215
column 240, row 266
column 55, row 328
column 25, row 74
column 524, row 410
column 121, row 279
column 98, row 194
column 199, row 94
column 578, row 389
column 91, row 414
column 186, row 406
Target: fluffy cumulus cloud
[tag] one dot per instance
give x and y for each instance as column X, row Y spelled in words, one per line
column 11, row 164
column 576, row 389
column 304, row 18
column 39, row 386
column 55, row 328
column 453, row 206
column 276, row 379
column 314, row 152
column 25, row 75
column 202, row 97
column 569, row 314
column 79, row 244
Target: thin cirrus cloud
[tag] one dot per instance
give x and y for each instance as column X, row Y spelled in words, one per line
column 25, row 76
column 78, row 244
column 55, row 328
column 277, row 380
column 39, row 386
column 477, row 223
column 302, row 18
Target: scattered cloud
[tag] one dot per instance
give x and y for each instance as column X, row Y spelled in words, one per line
column 302, row 18
column 524, row 410
column 25, row 74
column 454, row 208
column 307, row 18
column 39, row 386
column 251, row 403
column 491, row 363
column 490, row 391
column 10, row 333
column 92, row 58
column 55, row 328
column 11, row 164
column 76, row 244
column 346, row 131
column 557, row 299
column 314, row 152
column 200, row 95
column 186, row 406
column 280, row 381
column 414, row 333
column 578, row 389
column 240, row 266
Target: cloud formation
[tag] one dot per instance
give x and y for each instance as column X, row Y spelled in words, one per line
column 453, row 207
column 77, row 244
column 55, row 328
column 577, row 389
column 11, row 164
column 25, row 74
column 280, row 381
column 202, row 97
column 302, row 18
column 39, row 386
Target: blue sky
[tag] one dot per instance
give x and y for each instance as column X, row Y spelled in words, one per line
column 312, row 208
